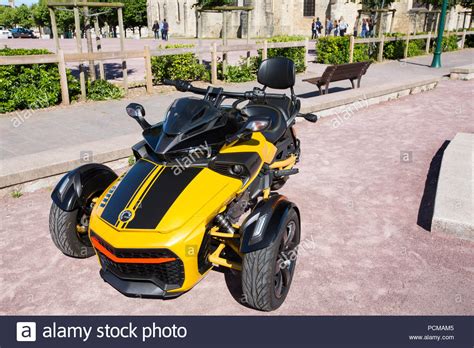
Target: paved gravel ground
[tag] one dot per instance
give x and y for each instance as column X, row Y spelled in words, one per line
column 362, row 251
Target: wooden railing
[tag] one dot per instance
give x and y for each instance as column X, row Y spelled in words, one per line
column 62, row 58
column 382, row 39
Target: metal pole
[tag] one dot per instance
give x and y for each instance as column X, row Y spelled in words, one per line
column 436, row 63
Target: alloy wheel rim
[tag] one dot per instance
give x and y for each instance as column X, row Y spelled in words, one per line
column 285, row 261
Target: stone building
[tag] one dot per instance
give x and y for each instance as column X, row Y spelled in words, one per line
column 286, row 17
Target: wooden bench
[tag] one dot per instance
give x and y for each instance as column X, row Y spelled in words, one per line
column 351, row 71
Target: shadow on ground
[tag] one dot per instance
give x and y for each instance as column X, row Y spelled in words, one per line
column 426, row 210
column 112, row 71
column 316, row 93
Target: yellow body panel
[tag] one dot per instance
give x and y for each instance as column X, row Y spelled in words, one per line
column 182, row 228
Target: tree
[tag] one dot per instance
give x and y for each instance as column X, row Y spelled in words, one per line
column 23, row 16
column 7, row 16
column 451, row 3
column 204, row 4
column 41, row 15
column 376, row 4
column 134, row 14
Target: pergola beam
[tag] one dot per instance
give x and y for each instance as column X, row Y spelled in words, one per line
column 85, row 3
column 225, row 8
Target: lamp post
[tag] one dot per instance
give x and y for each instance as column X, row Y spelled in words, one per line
column 436, row 63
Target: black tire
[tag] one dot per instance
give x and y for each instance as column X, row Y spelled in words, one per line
column 62, row 226
column 261, row 268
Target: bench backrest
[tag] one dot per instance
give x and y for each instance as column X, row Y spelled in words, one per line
column 344, row 71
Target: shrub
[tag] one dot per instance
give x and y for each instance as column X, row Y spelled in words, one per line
column 31, row 86
column 103, row 90
column 240, row 72
column 178, row 66
column 450, row 43
column 333, row 50
column 396, row 49
column 296, row 54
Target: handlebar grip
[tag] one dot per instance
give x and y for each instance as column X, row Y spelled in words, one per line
column 275, row 96
column 169, row 82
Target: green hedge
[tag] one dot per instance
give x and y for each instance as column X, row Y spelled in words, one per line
column 396, row 49
column 296, row 54
column 103, row 90
column 31, row 86
column 335, row 50
column 240, row 72
column 178, row 66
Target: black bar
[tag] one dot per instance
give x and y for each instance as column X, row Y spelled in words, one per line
column 246, row 331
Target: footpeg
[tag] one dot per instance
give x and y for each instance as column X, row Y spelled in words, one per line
column 285, row 172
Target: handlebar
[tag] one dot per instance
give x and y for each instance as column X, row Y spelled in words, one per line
column 184, row 86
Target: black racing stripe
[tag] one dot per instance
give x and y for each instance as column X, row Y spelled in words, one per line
column 126, row 188
column 161, row 197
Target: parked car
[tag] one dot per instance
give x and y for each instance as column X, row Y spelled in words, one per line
column 5, row 34
column 22, row 33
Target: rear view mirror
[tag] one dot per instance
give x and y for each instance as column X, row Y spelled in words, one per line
column 137, row 112
column 310, row 117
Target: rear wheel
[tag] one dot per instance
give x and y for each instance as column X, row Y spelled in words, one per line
column 63, row 226
column 267, row 273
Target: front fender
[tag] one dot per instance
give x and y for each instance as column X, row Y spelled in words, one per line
column 263, row 225
column 74, row 189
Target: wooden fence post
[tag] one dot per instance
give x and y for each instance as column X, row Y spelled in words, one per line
column 148, row 73
column 55, row 28
column 306, row 55
column 380, row 55
column 82, row 76
column 351, row 48
column 463, row 38
column 265, row 50
column 63, row 78
column 214, row 64
column 407, row 41
column 428, row 41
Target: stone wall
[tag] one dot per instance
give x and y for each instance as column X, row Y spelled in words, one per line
column 282, row 17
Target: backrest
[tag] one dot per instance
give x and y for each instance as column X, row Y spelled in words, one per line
column 327, row 73
column 350, row 70
column 278, row 73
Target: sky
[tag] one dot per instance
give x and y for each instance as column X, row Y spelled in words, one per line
column 19, row 2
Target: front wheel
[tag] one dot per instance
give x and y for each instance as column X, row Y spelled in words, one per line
column 63, row 228
column 267, row 273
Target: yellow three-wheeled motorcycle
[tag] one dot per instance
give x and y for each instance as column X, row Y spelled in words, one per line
column 201, row 195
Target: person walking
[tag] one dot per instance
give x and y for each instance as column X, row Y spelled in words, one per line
column 313, row 30
column 342, row 26
column 319, row 27
column 156, row 29
column 329, row 26
column 336, row 28
column 164, row 32
column 365, row 28
column 370, row 24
